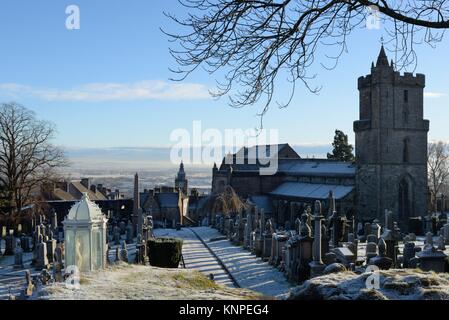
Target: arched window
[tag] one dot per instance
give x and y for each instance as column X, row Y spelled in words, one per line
column 405, row 151
column 405, row 199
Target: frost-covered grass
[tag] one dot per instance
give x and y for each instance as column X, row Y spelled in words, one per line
column 396, row 284
column 135, row 282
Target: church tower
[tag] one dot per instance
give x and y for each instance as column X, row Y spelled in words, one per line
column 391, row 144
column 181, row 181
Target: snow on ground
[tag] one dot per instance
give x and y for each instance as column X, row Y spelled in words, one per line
column 12, row 281
column 249, row 271
column 138, row 282
column 196, row 256
column 395, row 284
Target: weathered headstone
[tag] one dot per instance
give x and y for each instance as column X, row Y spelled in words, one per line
column 381, row 260
column 371, row 250
column 51, row 246
column 10, row 244
column 129, row 233
column 18, row 257
column 409, row 253
column 41, row 254
column 124, row 253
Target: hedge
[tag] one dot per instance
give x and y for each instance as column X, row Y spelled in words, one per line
column 165, row 252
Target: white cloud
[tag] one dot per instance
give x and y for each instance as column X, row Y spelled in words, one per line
column 434, row 94
column 97, row 92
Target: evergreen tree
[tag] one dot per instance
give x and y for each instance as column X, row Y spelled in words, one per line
column 342, row 149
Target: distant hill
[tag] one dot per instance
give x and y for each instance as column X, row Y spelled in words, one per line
column 152, row 158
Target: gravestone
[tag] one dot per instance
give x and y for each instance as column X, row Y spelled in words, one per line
column 124, row 253
column 429, row 241
column 376, row 229
column 267, row 239
column 344, row 255
column 10, row 244
column 129, row 233
column 18, row 257
column 409, row 253
column 51, row 246
column 441, row 243
column 117, row 236
column 371, row 251
column 41, row 254
column 57, row 265
column 25, row 243
column 371, row 238
column 432, row 259
column 445, row 232
column 367, row 229
column 122, row 227
column 117, row 254
column 381, row 260
column 317, row 266
column 388, row 220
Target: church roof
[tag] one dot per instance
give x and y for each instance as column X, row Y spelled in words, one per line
column 311, row 190
column 317, row 167
column 264, row 151
column 304, row 167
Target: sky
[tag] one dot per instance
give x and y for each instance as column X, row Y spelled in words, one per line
column 108, row 83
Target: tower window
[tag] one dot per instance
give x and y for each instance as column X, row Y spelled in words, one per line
column 405, row 154
column 405, row 95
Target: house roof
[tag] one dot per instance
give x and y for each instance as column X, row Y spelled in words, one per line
column 167, row 199
column 311, row 190
column 60, row 194
column 92, row 195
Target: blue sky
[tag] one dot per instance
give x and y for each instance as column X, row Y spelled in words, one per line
column 107, row 84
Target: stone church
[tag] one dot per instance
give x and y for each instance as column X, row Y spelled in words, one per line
column 391, row 159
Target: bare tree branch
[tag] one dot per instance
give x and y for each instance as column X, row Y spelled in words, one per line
column 27, row 157
column 255, row 42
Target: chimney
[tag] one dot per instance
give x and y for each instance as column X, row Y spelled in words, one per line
column 86, row 183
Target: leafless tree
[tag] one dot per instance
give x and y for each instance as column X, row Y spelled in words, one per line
column 438, row 168
column 254, row 42
column 27, row 157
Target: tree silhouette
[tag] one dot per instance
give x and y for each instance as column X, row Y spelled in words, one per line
column 342, row 149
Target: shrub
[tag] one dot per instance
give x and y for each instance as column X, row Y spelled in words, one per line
column 164, row 252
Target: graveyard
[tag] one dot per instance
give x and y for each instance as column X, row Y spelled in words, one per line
column 224, row 153
column 238, row 256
